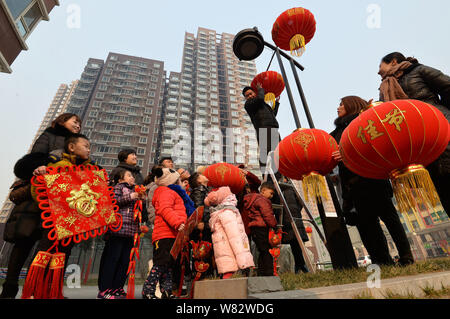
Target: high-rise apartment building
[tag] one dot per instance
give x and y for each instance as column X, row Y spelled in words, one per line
column 205, row 121
column 58, row 106
column 18, row 19
column 122, row 109
column 85, row 88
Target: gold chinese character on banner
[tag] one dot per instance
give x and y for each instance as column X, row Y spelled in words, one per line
column 370, row 129
column 395, row 117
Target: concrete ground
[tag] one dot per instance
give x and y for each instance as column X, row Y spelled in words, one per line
column 270, row 288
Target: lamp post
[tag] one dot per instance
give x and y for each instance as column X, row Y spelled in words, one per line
column 248, row 44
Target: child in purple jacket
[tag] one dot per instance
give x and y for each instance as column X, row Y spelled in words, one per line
column 118, row 245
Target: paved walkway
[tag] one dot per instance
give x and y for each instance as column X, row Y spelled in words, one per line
column 402, row 285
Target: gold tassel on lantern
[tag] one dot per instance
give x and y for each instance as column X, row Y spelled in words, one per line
column 297, row 45
column 269, row 98
column 410, row 180
column 314, row 185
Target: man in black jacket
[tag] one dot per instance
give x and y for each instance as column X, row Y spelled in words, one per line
column 264, row 121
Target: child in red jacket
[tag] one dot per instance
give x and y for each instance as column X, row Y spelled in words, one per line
column 170, row 218
column 258, row 208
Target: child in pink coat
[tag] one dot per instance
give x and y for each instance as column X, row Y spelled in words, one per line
column 230, row 242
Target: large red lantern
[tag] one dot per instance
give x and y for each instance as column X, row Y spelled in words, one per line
column 293, row 29
column 306, row 155
column 272, row 83
column 224, row 174
column 396, row 140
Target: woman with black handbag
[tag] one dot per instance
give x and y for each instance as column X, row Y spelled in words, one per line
column 23, row 225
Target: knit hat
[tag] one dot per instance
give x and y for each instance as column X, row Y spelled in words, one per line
column 166, row 176
column 214, row 198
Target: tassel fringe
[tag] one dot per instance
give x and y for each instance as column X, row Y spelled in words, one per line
column 34, row 287
column 314, row 185
column 297, row 45
column 269, row 98
column 412, row 187
column 54, row 280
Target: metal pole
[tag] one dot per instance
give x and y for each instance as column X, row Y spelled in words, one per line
column 339, row 247
column 302, row 94
column 288, row 89
column 289, row 214
column 267, row 44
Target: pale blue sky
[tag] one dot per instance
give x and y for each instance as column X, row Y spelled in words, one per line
column 342, row 58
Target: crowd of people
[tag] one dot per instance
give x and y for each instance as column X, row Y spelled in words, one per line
column 230, row 222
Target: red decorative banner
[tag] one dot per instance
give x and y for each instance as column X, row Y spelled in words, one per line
column 77, row 203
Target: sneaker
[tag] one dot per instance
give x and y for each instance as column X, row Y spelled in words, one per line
column 101, row 294
column 113, row 294
column 122, row 292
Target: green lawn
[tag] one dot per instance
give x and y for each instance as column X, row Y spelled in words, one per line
column 292, row 281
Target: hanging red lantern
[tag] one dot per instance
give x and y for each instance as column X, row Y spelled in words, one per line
column 306, row 155
column 308, row 229
column 224, row 174
column 272, row 83
column 293, row 29
column 396, row 140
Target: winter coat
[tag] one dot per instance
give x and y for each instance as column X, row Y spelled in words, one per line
column 24, row 220
column 51, row 139
column 296, row 208
column 198, row 196
column 150, row 209
column 355, row 186
column 138, row 180
column 134, row 169
column 260, row 113
column 122, row 192
column 230, row 242
column 424, row 83
column 259, row 211
column 253, row 181
column 170, row 213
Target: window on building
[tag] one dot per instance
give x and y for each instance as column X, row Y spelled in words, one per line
column 26, row 14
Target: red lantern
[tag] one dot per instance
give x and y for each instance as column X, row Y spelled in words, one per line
column 306, row 155
column 396, row 140
column 293, row 29
column 224, row 174
column 275, row 237
column 308, row 230
column 272, row 83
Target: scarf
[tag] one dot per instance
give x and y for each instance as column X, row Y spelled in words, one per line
column 188, row 203
column 390, row 89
